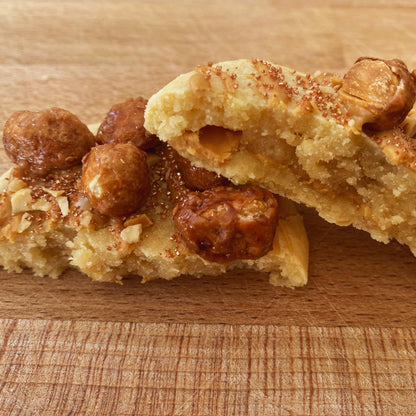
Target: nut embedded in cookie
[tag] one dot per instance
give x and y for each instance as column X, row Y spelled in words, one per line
column 378, row 93
column 197, row 179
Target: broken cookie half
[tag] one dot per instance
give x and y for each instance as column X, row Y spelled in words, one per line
column 343, row 145
column 121, row 203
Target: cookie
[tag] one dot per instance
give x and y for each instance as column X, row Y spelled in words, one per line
column 343, row 145
column 109, row 214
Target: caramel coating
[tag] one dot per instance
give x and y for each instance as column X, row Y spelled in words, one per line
column 378, row 93
column 124, row 123
column 225, row 224
column 115, row 178
column 198, row 179
column 39, row 142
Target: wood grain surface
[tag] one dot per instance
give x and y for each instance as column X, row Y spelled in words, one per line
column 106, row 368
column 343, row 345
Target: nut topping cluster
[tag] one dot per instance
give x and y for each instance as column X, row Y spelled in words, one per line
column 378, row 93
column 39, row 142
column 124, row 123
column 115, row 178
column 225, row 224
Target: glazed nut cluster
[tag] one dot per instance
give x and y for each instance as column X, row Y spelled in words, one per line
column 125, row 123
column 378, row 93
column 115, row 176
column 225, row 223
column 39, row 142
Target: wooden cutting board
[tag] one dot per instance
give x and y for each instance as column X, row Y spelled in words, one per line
column 343, row 345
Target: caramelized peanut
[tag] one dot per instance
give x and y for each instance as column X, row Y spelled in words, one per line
column 225, row 224
column 378, row 93
column 39, row 142
column 124, row 123
column 115, row 178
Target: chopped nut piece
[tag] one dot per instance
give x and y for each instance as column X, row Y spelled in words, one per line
column 25, row 222
column 63, row 205
column 5, row 180
column 132, row 233
column 378, row 93
column 16, row 184
column 54, row 192
column 142, row 219
column 42, row 205
column 85, row 218
column 21, row 200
